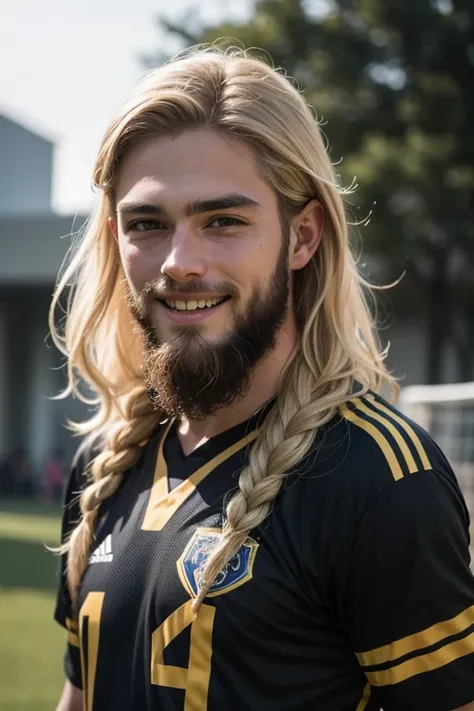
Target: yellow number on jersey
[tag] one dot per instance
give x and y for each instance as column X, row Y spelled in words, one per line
column 194, row 678
column 89, row 616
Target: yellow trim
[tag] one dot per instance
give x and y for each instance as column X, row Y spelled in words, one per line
column 159, row 489
column 365, row 699
column 412, row 467
column 73, row 639
column 378, row 437
column 424, row 663
column 415, row 642
column 71, row 625
column 180, row 564
column 163, row 503
column 408, row 429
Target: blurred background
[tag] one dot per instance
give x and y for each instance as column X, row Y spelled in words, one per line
column 392, row 82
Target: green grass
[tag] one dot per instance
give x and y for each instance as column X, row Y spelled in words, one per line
column 31, row 643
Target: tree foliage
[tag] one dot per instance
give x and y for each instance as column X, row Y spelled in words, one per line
column 393, row 82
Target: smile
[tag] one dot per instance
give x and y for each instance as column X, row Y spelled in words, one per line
column 191, row 305
column 190, row 312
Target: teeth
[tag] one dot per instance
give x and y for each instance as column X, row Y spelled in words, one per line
column 193, row 305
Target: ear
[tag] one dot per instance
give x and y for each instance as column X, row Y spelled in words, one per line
column 112, row 222
column 307, row 230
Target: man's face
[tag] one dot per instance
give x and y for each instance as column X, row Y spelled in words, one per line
column 198, row 227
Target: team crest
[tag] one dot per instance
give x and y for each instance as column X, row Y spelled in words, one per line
column 192, row 562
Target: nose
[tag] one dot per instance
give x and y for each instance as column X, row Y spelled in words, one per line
column 185, row 260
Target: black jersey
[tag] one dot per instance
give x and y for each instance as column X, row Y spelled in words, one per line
column 355, row 594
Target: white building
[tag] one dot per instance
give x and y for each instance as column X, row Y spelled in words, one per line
column 25, row 170
column 33, row 244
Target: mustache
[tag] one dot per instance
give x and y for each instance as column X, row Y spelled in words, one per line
column 157, row 288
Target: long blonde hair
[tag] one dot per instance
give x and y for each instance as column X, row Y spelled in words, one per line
column 243, row 97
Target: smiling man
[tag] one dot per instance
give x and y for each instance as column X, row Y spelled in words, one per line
column 249, row 524
column 205, row 334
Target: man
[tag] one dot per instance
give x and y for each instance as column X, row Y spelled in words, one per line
column 248, row 525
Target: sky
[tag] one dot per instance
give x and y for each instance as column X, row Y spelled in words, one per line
column 67, row 66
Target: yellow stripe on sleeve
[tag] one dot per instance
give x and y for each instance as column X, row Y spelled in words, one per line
column 415, row 642
column 71, row 624
column 73, row 639
column 72, row 635
column 424, row 663
column 378, row 437
column 412, row 467
column 408, row 429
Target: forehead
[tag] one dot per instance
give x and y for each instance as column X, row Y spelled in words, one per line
column 194, row 164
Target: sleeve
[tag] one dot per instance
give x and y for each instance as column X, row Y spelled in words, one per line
column 406, row 595
column 64, row 613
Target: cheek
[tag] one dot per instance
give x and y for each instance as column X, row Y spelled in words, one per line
column 137, row 266
column 258, row 266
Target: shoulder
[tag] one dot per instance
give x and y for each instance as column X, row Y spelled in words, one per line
column 385, row 444
column 376, row 477
column 369, row 447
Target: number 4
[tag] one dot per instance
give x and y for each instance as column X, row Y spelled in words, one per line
column 194, row 678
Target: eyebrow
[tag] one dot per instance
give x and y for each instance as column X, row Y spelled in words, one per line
column 196, row 207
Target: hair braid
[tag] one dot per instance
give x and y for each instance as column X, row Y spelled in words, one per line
column 287, row 435
column 123, row 445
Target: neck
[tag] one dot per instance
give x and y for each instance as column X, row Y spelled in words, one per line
column 264, row 384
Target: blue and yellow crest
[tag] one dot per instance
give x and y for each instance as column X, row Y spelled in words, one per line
column 191, row 564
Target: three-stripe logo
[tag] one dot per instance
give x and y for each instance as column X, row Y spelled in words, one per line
column 103, row 553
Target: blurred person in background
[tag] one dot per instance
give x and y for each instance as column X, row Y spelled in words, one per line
column 249, row 523
column 54, row 473
column 16, row 475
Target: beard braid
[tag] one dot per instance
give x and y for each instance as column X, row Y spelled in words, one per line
column 193, row 377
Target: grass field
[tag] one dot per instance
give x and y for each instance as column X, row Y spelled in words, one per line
column 31, row 643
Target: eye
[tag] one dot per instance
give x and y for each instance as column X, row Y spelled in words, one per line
column 225, row 221
column 145, row 225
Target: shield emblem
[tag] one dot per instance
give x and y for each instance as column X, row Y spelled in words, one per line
column 192, row 562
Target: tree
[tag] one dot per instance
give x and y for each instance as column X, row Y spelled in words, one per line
column 394, row 80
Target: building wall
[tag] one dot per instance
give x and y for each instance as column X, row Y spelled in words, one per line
column 26, row 169
column 33, row 248
column 33, row 375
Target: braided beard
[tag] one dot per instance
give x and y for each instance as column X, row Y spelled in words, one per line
column 194, row 378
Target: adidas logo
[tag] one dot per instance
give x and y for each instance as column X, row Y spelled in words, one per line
column 103, row 553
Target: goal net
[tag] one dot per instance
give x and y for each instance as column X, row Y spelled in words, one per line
column 447, row 413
